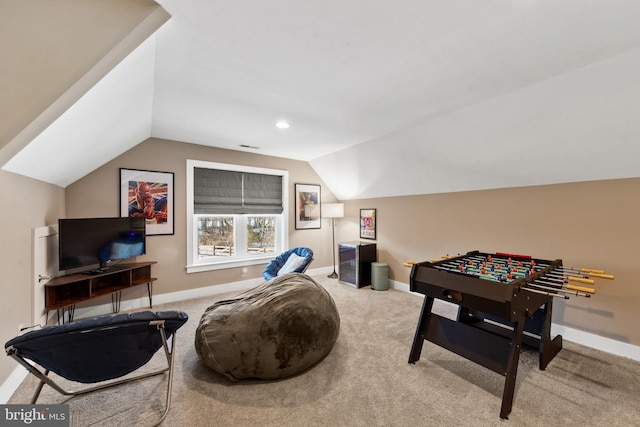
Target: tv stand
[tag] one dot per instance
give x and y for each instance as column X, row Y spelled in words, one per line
column 103, row 270
column 64, row 292
column 94, row 272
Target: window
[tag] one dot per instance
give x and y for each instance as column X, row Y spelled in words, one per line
column 236, row 215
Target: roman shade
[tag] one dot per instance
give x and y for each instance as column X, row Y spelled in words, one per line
column 225, row 192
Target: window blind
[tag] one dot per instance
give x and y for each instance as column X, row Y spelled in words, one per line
column 217, row 191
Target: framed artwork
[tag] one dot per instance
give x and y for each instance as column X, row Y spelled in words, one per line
column 368, row 224
column 148, row 194
column 307, row 206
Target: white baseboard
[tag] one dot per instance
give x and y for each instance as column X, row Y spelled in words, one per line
column 12, row 383
column 577, row 336
column 597, row 342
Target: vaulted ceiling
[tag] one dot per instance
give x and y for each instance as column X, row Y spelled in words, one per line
column 433, row 95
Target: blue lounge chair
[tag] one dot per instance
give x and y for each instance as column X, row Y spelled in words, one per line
column 299, row 262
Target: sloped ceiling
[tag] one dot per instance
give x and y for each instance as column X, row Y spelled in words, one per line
column 52, row 52
column 434, row 96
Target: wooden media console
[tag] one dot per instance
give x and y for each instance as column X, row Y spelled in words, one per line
column 64, row 292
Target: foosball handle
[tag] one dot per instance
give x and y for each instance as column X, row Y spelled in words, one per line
column 602, row 276
column 581, row 280
column 581, row 289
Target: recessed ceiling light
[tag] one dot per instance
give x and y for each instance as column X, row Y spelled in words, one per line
column 282, row 125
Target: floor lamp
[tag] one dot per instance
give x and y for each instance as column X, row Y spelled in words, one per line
column 333, row 211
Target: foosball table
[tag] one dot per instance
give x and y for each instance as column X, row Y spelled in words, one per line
column 505, row 302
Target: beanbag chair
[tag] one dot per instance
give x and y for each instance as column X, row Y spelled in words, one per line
column 276, row 330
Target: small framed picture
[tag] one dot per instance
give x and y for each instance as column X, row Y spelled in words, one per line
column 307, row 206
column 148, row 194
column 368, row 224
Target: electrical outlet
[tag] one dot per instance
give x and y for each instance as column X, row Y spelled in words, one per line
column 245, row 270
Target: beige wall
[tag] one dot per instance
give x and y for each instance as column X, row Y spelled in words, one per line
column 590, row 224
column 97, row 195
column 26, row 204
column 55, row 50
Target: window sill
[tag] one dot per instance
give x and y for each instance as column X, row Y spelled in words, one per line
column 221, row 265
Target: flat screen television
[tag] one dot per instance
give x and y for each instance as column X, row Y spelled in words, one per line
column 85, row 242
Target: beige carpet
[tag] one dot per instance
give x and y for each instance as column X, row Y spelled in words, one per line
column 366, row 381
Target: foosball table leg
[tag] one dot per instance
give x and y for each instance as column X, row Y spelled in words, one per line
column 423, row 322
column 512, row 369
column 548, row 347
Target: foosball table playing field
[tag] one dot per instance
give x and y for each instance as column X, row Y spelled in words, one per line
column 505, row 301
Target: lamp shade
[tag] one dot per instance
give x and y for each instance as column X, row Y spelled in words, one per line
column 332, row 210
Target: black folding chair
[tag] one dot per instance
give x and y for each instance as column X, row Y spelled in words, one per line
column 99, row 349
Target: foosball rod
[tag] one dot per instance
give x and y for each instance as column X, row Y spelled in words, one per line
column 554, row 289
column 550, row 294
column 567, row 286
column 588, row 271
column 471, row 270
column 503, row 261
column 560, row 276
column 468, row 273
column 526, row 268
